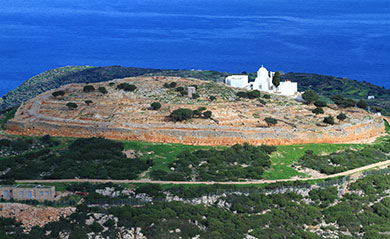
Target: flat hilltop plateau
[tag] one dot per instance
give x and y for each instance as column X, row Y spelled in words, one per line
column 121, row 109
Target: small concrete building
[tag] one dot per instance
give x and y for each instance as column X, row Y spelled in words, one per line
column 27, row 192
column 240, row 81
column 191, row 90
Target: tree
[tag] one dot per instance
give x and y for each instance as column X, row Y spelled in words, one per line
column 340, row 101
column 207, row 114
column 318, row 110
column 212, row 98
column 58, row 93
column 329, row 120
column 103, row 89
column 270, row 121
column 320, row 103
column 276, row 79
column 88, row 88
column 155, row 105
column 71, row 105
column 341, row 116
column 310, row 96
column 88, row 102
column 181, row 114
column 362, row 104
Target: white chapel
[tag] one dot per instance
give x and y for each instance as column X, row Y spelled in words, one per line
column 263, row 82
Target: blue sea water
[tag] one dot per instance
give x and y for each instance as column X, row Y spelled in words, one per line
column 348, row 38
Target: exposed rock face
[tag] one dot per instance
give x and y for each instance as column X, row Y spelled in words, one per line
column 31, row 216
column 124, row 116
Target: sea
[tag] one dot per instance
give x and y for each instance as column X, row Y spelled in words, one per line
column 345, row 38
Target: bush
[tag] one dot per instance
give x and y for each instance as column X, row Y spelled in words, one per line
column 341, row 116
column 340, row 101
column 103, row 90
column 310, row 96
column 58, row 93
column 262, row 101
column 71, row 105
column 320, row 103
column 184, row 93
column 270, row 121
column 96, row 227
column 179, row 89
column 172, row 84
column 126, row 87
column 253, row 94
column 197, row 113
column 111, row 84
column 329, row 120
column 318, row 110
column 181, row 114
column 267, row 96
column 202, row 108
column 155, row 105
column 362, row 104
column 212, row 98
column 88, row 102
column 195, row 96
column 207, row 114
column 242, row 94
column 88, row 88
column 166, row 85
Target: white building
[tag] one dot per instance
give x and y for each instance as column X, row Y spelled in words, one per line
column 263, row 82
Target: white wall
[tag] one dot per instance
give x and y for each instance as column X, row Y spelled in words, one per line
column 288, row 88
column 240, row 81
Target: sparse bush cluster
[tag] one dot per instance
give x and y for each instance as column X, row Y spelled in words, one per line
column 182, row 114
column 126, row 87
column 253, row 94
column 170, row 85
column 219, row 165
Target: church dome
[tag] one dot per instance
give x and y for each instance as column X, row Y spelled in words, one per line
column 262, row 72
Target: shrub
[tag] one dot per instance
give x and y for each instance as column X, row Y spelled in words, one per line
column 207, row 114
column 96, row 227
column 155, row 105
column 270, row 121
column 202, row 108
column 181, row 114
column 197, row 113
column 242, row 94
column 329, row 120
column 195, row 96
column 196, row 86
column 88, row 102
column 318, row 110
column 172, row 84
column 340, row 101
column 166, row 85
column 111, row 84
column 267, row 96
column 88, row 88
column 362, row 104
column 320, row 103
column 103, row 89
column 184, row 93
column 253, row 94
column 341, row 116
column 212, row 98
column 71, row 105
column 179, row 89
column 58, row 93
column 126, row 87
column 262, row 101
column 310, row 96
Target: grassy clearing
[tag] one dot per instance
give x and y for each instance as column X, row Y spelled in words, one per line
column 286, row 155
column 162, row 154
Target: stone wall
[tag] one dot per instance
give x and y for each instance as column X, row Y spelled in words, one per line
column 197, row 135
column 34, row 192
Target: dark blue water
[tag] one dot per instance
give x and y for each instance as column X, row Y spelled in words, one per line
column 346, row 38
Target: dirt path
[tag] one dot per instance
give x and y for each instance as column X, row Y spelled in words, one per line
column 346, row 173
